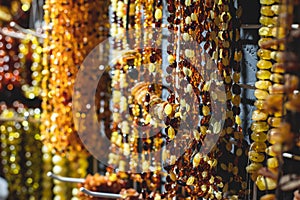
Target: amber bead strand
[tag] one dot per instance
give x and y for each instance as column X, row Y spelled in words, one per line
column 260, row 116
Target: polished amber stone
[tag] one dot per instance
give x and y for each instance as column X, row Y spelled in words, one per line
column 265, row 183
column 253, row 167
column 259, row 137
column 259, row 104
column 267, row 21
column 256, row 156
column 263, row 84
column 274, row 121
column 258, row 147
column 259, row 115
column 264, row 54
column 265, row 31
column 264, row 64
column 272, row 162
column 267, row 11
column 261, row 94
column 277, row 78
column 267, row 2
column 259, row 127
column 263, row 74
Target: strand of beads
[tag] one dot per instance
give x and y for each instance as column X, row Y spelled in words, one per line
column 262, row 117
column 10, row 66
column 30, row 53
column 21, row 152
column 285, row 137
column 234, row 145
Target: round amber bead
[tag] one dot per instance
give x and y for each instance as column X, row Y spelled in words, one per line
column 274, row 136
column 276, row 78
column 267, row 21
column 253, row 167
column 274, row 121
column 263, row 85
column 264, row 54
column 272, row 162
column 265, row 183
column 259, row 137
column 258, row 147
column 265, row 31
column 259, row 127
column 267, row 11
column 256, row 156
column 258, row 115
column 259, row 104
column 264, row 64
column 261, row 94
column 267, row 2
column 263, row 74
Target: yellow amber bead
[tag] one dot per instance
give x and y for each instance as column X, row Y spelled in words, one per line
column 267, row 2
column 259, row 127
column 261, row 94
column 274, row 121
column 263, row 40
column 238, row 120
column 276, row 89
column 265, row 31
column 272, row 162
column 264, row 54
column 265, row 183
column 259, row 137
column 258, row 147
column 263, row 74
column 205, row 110
column 274, row 136
column 168, row 109
column 158, row 14
column 196, row 159
column 258, row 115
column 171, row 132
column 277, row 78
column 263, row 85
column 259, row 104
column 267, row 11
column 264, row 64
column 267, row 21
column 278, row 32
column 190, row 180
column 274, row 150
column 256, row 157
column 253, row 167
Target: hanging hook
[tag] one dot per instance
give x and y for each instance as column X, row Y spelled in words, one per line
column 102, row 194
column 65, row 179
